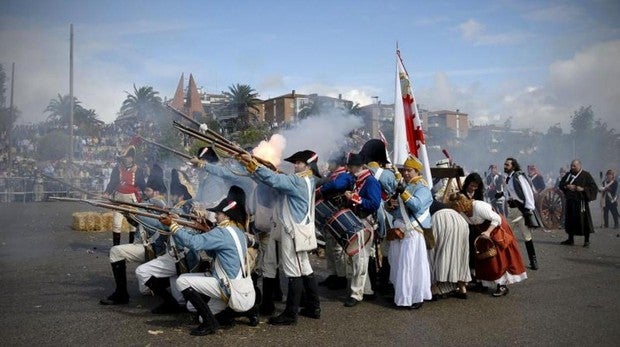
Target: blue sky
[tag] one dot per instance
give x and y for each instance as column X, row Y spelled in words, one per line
column 532, row 61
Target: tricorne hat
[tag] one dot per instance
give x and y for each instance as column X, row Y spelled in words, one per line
column 156, row 179
column 130, row 151
column 208, row 154
column 180, row 185
column 307, row 156
column 233, row 205
column 355, row 159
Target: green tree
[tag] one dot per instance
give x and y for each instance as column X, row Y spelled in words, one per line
column 353, row 109
column 7, row 119
column 143, row 104
column 243, row 100
column 312, row 108
column 59, row 110
column 582, row 121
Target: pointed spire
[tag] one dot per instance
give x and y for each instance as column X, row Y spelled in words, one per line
column 178, row 101
column 194, row 104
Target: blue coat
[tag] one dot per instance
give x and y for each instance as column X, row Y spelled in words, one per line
column 218, row 243
column 291, row 185
column 420, row 201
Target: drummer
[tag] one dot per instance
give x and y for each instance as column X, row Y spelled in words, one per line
column 338, row 176
column 364, row 199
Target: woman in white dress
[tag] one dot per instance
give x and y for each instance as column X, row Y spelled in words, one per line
column 410, row 271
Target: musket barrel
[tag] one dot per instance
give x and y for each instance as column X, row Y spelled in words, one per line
column 181, row 154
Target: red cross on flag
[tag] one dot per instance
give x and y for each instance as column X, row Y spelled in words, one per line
column 408, row 134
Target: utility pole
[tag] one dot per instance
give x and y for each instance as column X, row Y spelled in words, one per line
column 71, row 95
column 10, row 123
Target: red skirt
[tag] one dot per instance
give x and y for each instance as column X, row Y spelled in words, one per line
column 508, row 258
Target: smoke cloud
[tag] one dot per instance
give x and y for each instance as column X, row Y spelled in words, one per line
column 323, row 134
column 271, row 150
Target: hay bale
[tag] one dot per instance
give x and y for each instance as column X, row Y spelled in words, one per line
column 87, row 221
column 107, row 222
column 79, row 221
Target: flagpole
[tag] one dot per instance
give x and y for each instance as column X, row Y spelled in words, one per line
column 408, row 133
column 72, row 105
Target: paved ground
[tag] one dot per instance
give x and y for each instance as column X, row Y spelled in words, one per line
column 53, row 278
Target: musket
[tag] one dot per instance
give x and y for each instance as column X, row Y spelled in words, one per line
column 182, row 114
column 183, row 222
column 70, row 185
column 169, row 149
column 155, row 208
column 220, row 142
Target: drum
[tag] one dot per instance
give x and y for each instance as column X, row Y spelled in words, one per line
column 347, row 229
column 323, row 211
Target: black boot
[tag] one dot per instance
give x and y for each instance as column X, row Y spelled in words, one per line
column 338, row 283
column 159, row 286
column 132, row 236
column 312, row 308
column 116, row 239
column 531, row 253
column 569, row 242
column 226, row 318
column 209, row 324
column 120, row 295
column 267, row 307
column 372, row 273
column 289, row 316
column 384, row 277
column 252, row 316
column 328, row 280
column 277, row 289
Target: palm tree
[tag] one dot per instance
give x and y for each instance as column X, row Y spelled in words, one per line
column 353, row 109
column 243, row 100
column 142, row 104
column 312, row 108
column 60, row 108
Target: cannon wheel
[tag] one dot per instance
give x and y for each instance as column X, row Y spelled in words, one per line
column 550, row 205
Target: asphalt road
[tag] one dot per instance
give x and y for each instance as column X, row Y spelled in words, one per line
column 53, row 277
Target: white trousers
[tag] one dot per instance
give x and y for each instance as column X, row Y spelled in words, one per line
column 268, row 262
column 133, row 252
column 357, row 270
column 205, row 284
column 117, row 217
column 517, row 223
column 160, row 267
column 336, row 260
column 294, row 264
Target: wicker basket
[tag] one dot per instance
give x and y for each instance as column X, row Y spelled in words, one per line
column 485, row 247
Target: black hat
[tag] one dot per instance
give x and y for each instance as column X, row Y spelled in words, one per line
column 338, row 158
column 355, row 159
column 180, row 185
column 233, row 205
column 309, row 157
column 208, row 154
column 374, row 150
column 129, row 152
column 156, row 179
column 306, row 156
